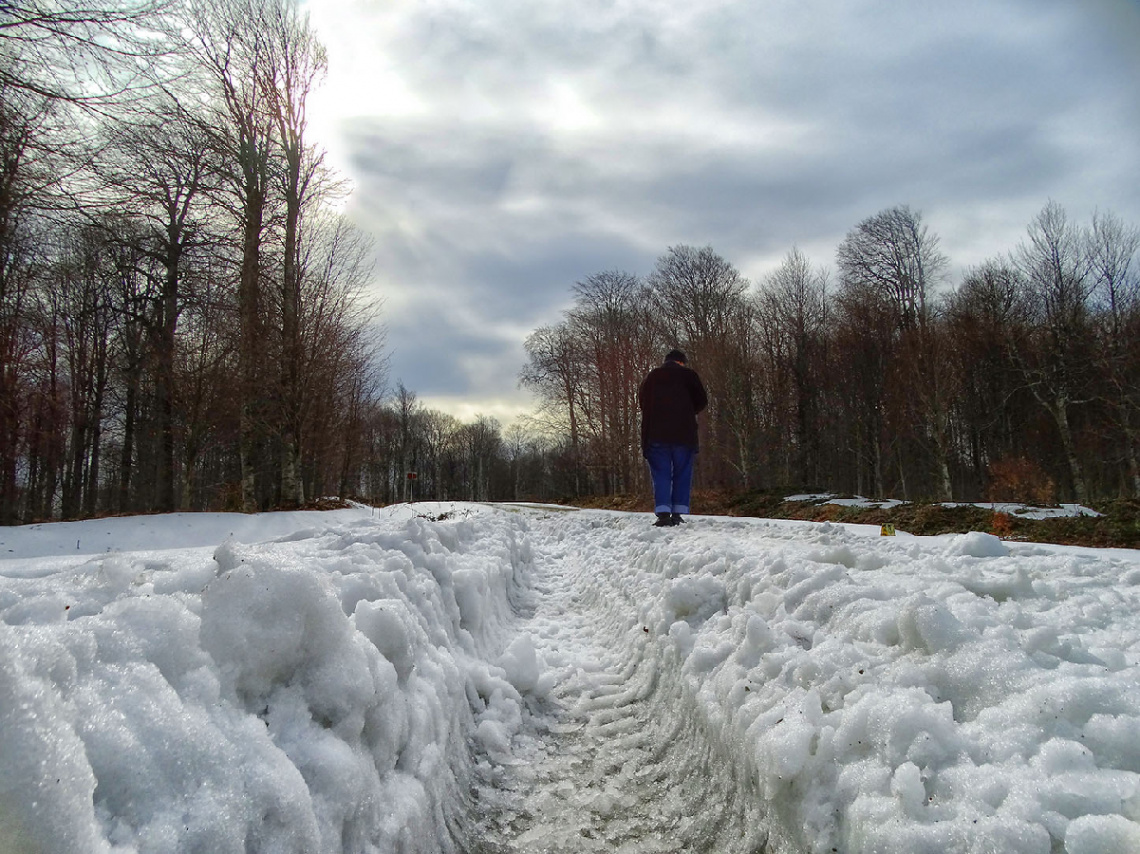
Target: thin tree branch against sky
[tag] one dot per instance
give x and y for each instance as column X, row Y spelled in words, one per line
column 506, row 149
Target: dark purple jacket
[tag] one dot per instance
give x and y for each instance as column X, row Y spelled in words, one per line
column 670, row 398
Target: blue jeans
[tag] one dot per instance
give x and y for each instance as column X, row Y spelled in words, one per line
column 671, row 467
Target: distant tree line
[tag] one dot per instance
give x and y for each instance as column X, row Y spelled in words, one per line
column 181, row 314
column 1022, row 380
column 416, row 453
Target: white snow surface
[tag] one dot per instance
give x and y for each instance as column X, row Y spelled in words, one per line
column 1025, row 511
column 344, row 681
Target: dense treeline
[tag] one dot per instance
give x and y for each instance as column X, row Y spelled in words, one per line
column 1020, row 380
column 452, row 460
column 181, row 315
column 181, row 322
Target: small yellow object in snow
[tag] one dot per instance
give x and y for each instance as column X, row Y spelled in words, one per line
column 887, row 530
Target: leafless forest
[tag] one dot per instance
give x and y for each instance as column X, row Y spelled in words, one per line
column 183, row 321
column 1020, row 381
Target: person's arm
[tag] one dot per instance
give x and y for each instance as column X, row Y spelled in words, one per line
column 697, row 391
column 642, row 404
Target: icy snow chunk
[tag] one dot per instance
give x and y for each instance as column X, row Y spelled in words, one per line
column 1102, row 834
column 841, row 555
column 269, row 627
column 757, row 635
column 785, row 753
column 978, row 544
column 227, row 556
column 876, row 828
column 1116, row 738
column 1059, row 755
column 388, row 626
column 46, row 783
column 681, row 633
column 189, row 578
column 165, row 633
column 494, row 738
column 928, row 625
column 521, row 664
column 696, row 598
column 816, row 582
column 1001, row 586
column 708, row 656
column 787, row 738
column 898, row 725
column 907, row 786
column 117, row 573
column 471, row 596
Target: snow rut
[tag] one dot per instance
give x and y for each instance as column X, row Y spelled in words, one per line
column 617, row 760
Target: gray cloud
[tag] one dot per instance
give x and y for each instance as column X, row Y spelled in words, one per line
column 543, row 142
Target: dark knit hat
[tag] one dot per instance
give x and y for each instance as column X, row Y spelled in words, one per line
column 676, row 356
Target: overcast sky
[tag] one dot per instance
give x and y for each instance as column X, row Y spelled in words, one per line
column 502, row 150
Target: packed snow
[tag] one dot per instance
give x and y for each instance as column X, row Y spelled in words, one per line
column 1029, row 511
column 488, row 678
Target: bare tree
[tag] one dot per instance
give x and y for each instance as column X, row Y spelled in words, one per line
column 1055, row 355
column 894, row 254
column 21, row 174
column 892, row 259
column 555, row 371
column 1112, row 248
column 617, row 346
column 89, row 54
column 980, row 320
column 79, row 294
column 227, row 324
column 159, row 167
column 438, row 430
column 296, row 62
column 795, row 301
column 481, row 444
column 229, row 42
column 695, row 293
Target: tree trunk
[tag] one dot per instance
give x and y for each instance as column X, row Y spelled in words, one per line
column 165, row 497
column 249, row 300
column 9, row 441
column 1060, row 411
column 1130, row 455
column 91, row 489
column 292, row 493
column 1133, row 465
column 126, row 457
column 946, row 485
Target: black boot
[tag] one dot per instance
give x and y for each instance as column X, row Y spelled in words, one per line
column 676, row 519
column 664, row 520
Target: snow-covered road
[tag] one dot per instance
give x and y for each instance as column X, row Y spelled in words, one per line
column 615, row 757
column 521, row 679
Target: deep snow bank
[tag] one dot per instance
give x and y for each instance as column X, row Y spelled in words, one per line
column 316, row 693
column 948, row 694
column 326, row 691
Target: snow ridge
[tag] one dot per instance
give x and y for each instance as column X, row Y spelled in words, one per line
column 510, row 679
column 311, row 694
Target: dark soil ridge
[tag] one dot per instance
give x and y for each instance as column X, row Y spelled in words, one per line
column 1118, row 526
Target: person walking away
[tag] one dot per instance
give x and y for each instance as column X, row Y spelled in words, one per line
column 670, row 398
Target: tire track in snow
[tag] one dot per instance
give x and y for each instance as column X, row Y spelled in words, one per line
column 616, row 759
